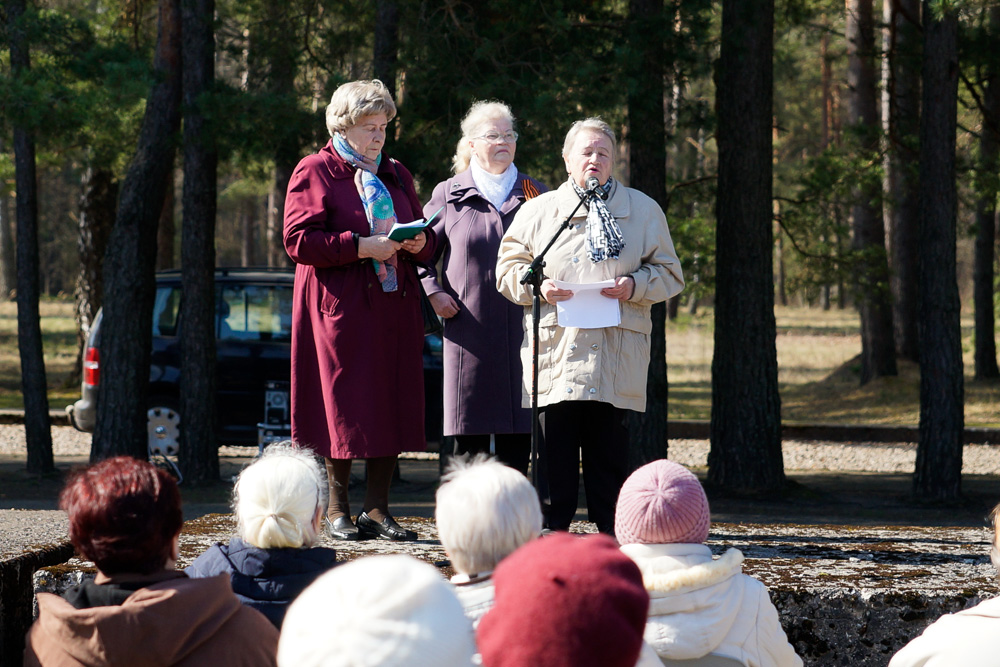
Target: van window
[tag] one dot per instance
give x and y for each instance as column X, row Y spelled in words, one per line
column 255, row 312
column 165, row 308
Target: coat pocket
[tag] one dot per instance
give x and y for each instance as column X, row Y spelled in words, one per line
column 329, row 287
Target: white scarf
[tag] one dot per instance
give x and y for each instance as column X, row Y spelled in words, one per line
column 495, row 188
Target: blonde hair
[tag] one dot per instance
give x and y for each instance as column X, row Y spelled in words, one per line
column 485, row 511
column 357, row 99
column 480, row 113
column 277, row 497
column 593, row 123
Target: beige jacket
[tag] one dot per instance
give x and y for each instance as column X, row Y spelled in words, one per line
column 610, row 364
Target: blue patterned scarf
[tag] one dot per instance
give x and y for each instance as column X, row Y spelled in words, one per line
column 377, row 202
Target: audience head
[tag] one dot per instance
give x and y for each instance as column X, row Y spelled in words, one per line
column 485, row 510
column 124, row 515
column 565, row 601
column 377, row 611
column 662, row 503
column 278, row 500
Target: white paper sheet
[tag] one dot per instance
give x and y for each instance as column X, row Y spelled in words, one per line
column 588, row 309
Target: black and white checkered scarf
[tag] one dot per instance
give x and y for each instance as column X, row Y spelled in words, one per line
column 604, row 236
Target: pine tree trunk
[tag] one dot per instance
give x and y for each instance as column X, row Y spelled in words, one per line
column 648, row 174
column 8, row 262
column 901, row 111
column 166, row 230
column 745, row 455
column 985, row 254
column 386, row 43
column 199, row 452
column 878, row 354
column 938, row 474
column 37, row 426
column 97, row 217
column 129, row 285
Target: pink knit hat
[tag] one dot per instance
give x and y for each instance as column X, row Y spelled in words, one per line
column 565, row 601
column 662, row 503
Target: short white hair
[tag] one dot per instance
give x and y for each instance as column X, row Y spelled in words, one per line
column 480, row 113
column 277, row 497
column 485, row 510
column 355, row 100
column 595, row 124
column 377, row 611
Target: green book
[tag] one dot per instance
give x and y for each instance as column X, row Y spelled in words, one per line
column 407, row 230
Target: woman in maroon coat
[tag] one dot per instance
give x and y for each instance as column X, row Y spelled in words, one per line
column 483, row 330
column 357, row 331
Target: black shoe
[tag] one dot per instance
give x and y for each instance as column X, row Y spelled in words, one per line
column 342, row 528
column 388, row 529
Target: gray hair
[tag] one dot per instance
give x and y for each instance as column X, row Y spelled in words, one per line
column 592, row 123
column 355, row 100
column 484, row 512
column 277, row 497
column 480, row 113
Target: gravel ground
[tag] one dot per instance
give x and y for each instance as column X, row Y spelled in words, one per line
column 799, row 455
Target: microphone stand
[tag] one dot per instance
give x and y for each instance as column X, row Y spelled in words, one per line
column 534, row 277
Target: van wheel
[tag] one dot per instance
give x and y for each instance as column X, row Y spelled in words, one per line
column 163, row 426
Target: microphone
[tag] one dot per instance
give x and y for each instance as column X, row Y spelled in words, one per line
column 593, row 183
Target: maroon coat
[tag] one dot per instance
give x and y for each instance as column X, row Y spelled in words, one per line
column 357, row 363
column 482, row 367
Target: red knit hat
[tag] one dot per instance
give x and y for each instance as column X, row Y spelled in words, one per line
column 565, row 601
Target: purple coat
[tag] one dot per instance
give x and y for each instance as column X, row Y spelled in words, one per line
column 357, row 364
column 482, row 369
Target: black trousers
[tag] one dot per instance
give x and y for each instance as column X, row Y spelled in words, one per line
column 513, row 449
column 598, row 431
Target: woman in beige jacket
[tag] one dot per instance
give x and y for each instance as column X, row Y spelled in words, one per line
column 589, row 377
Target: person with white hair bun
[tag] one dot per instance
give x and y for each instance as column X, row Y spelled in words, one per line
column 379, row 611
column 278, row 501
column 485, row 511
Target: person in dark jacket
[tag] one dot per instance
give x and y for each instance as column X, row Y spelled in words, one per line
column 278, row 501
column 357, row 381
column 482, row 329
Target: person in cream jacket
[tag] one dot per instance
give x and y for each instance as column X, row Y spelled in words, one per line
column 698, row 605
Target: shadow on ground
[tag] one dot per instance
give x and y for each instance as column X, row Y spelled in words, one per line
column 813, row 498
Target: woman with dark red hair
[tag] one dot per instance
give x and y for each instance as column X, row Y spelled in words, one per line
column 125, row 516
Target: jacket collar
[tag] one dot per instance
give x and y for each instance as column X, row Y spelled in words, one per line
column 463, row 187
column 619, row 203
column 663, row 578
column 340, row 168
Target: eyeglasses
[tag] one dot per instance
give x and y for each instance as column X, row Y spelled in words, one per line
column 497, row 138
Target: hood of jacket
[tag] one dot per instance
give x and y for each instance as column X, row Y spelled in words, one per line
column 264, row 575
column 161, row 624
column 694, row 600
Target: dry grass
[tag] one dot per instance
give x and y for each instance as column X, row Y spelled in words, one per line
column 59, row 342
column 817, row 369
column 817, row 373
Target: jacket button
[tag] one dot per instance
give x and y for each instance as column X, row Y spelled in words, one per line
column 593, row 391
column 576, row 259
column 572, row 346
column 569, row 390
column 594, row 346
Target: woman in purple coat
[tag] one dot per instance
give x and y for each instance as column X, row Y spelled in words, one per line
column 483, row 331
column 357, row 331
